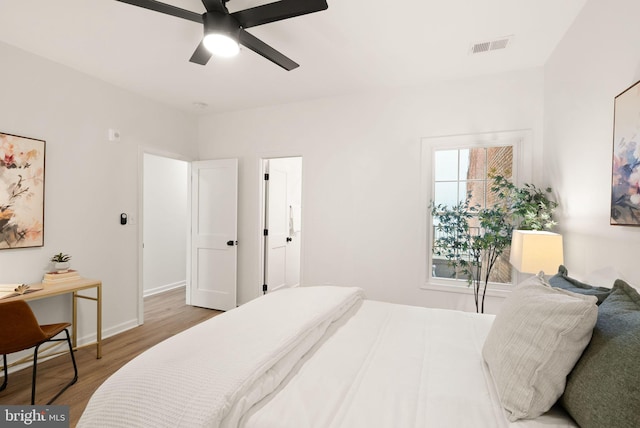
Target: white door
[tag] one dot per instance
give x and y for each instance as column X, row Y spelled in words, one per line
column 282, row 212
column 277, row 226
column 213, row 247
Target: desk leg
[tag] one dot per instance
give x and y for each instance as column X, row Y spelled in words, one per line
column 74, row 321
column 99, row 322
column 74, row 330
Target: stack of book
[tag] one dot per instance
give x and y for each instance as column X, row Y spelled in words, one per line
column 58, row 277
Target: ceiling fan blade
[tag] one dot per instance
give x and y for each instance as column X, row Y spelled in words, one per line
column 201, row 55
column 277, row 11
column 215, row 6
column 166, row 9
column 261, row 48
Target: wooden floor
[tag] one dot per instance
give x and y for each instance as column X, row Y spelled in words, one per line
column 165, row 315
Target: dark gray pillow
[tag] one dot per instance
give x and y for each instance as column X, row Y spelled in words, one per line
column 562, row 280
column 603, row 389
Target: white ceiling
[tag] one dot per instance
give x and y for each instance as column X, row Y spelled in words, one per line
column 355, row 45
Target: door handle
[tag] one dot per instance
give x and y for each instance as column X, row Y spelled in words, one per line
column 232, row 243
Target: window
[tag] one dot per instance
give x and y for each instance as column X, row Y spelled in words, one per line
column 462, row 167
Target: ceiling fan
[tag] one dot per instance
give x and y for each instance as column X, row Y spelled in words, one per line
column 223, row 30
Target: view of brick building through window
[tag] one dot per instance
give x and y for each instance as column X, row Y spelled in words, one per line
column 468, row 173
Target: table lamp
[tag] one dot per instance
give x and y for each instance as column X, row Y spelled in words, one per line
column 533, row 251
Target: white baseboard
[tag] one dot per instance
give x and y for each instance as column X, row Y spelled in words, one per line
column 163, row 288
column 280, row 287
column 120, row 328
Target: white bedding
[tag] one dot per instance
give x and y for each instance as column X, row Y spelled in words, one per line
column 394, row 366
column 206, row 375
column 312, row 357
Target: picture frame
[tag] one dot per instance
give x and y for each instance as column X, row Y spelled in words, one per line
column 22, row 165
column 625, row 181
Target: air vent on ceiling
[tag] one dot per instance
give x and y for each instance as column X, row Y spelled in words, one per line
column 490, row 45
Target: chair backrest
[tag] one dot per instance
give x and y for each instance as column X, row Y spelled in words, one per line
column 19, row 328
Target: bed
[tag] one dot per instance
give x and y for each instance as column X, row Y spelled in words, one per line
column 317, row 357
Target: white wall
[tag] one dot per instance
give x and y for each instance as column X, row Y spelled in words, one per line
column 89, row 181
column 165, row 223
column 597, row 59
column 363, row 220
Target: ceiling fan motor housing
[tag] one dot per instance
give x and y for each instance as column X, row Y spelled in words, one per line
column 221, row 23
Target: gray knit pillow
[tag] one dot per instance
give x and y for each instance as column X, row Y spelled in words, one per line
column 603, row 390
column 564, row 281
column 534, row 342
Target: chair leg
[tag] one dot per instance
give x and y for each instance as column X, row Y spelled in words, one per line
column 6, row 373
column 33, row 375
column 75, row 370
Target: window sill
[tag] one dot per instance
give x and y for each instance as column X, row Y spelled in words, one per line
column 493, row 290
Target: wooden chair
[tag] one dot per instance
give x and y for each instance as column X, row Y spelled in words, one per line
column 19, row 330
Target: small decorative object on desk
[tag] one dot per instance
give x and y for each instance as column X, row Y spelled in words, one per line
column 58, row 277
column 61, row 261
column 12, row 290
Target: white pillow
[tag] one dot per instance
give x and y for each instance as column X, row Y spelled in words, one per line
column 534, row 342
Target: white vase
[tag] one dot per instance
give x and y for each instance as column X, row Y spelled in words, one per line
column 62, row 267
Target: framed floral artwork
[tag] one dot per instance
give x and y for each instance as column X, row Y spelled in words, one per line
column 625, row 184
column 21, row 192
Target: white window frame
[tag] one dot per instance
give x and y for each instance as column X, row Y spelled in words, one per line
column 522, row 156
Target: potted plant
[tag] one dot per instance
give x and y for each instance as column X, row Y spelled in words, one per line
column 61, row 262
column 471, row 238
column 531, row 207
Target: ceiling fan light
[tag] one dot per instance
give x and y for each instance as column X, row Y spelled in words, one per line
column 221, row 45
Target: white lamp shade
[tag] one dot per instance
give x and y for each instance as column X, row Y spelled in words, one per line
column 535, row 251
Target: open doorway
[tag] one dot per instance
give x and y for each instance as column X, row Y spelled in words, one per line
column 282, row 215
column 163, row 233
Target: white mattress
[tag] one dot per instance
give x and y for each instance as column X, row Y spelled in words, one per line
column 312, row 357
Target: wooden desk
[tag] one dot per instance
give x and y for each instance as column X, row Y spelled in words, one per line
column 74, row 286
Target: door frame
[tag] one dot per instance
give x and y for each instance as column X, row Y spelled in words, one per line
column 142, row 150
column 261, row 213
